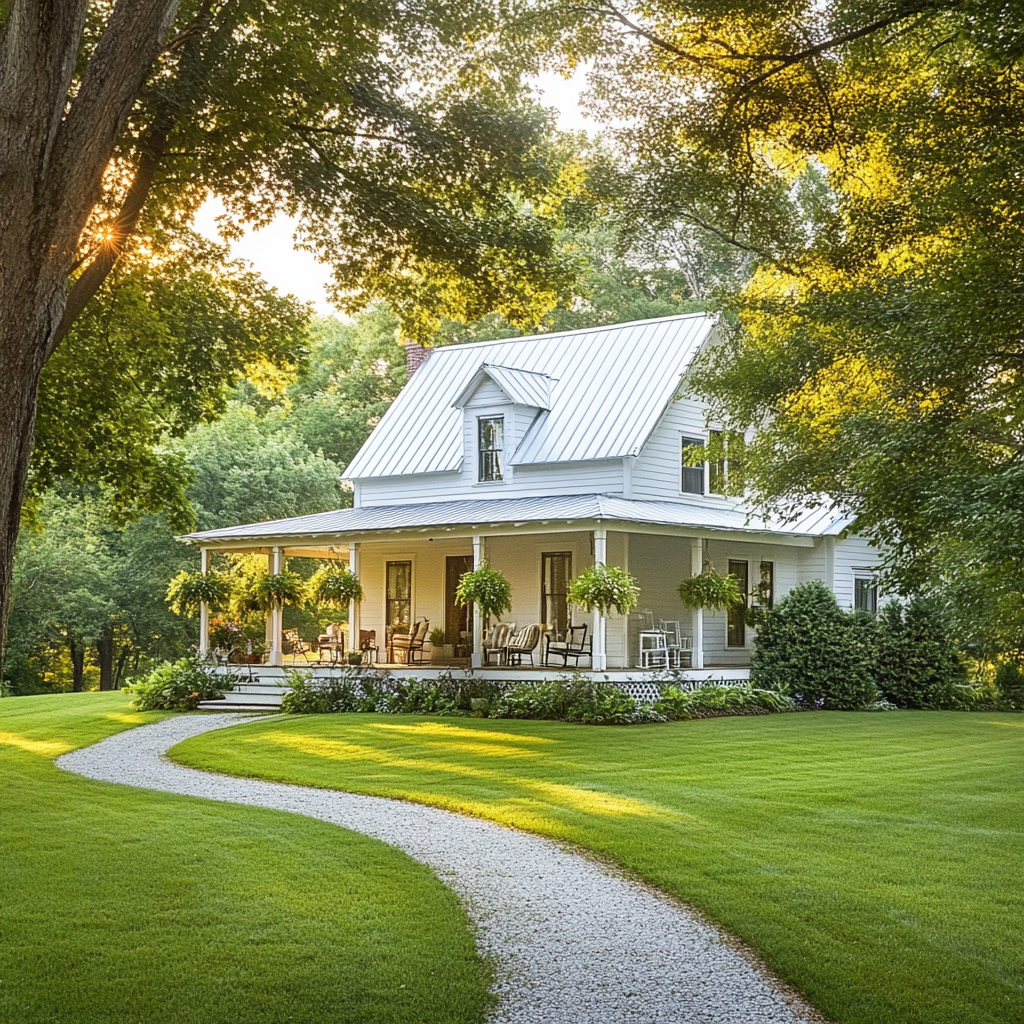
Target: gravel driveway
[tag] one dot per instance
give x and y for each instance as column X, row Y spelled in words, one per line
column 573, row 942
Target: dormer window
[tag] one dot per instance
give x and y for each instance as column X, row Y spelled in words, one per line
column 491, row 438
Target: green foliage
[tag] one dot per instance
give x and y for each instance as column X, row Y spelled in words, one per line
column 486, row 587
column 1009, row 683
column 188, row 591
column 810, row 649
column 178, row 686
column 333, row 586
column 604, row 587
column 436, row 637
column 916, row 660
column 710, row 589
column 710, row 701
column 274, row 590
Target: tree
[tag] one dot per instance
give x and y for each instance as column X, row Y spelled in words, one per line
column 397, row 133
column 868, row 156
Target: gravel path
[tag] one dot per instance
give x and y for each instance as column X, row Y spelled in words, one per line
column 573, row 942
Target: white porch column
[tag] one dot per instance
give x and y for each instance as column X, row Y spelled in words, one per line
column 600, row 659
column 696, row 567
column 277, row 615
column 204, row 608
column 353, row 606
column 478, row 622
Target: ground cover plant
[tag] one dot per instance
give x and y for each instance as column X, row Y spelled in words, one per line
column 873, row 860
column 124, row 905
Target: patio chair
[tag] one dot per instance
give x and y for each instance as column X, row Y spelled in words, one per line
column 368, row 645
column 673, row 642
column 653, row 649
column 523, row 643
column 411, row 643
column 576, row 645
column 294, row 644
column 494, row 641
column 332, row 642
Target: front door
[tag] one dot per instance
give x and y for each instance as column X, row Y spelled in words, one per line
column 458, row 619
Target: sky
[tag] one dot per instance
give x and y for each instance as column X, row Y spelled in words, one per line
column 271, row 250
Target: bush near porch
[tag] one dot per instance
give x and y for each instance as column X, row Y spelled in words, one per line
column 872, row 860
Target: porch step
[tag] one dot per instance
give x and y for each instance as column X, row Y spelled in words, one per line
column 223, row 705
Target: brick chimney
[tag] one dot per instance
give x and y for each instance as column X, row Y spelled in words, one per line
column 415, row 356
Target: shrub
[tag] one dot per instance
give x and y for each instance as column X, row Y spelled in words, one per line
column 178, row 686
column 604, row 587
column 1009, row 685
column 322, row 695
column 809, row 648
column 916, row 663
column 712, row 701
column 572, row 698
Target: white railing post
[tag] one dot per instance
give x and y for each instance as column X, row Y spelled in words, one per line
column 600, row 657
column 696, row 568
column 204, row 608
column 478, row 622
column 353, row 606
column 277, row 615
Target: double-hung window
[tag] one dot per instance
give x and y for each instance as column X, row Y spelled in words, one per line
column 865, row 595
column 491, row 446
column 725, row 475
column 736, row 617
column 693, row 476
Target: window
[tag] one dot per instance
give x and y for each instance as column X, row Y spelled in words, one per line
column 491, row 437
column 693, row 476
column 555, row 573
column 764, row 592
column 865, row 595
column 726, row 474
column 398, row 603
column 737, row 616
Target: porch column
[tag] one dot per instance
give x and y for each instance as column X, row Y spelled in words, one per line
column 478, row 623
column 600, row 658
column 353, row 606
column 696, row 568
column 204, row 608
column 277, row 615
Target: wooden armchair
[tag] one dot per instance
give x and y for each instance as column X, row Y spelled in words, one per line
column 523, row 643
column 294, row 644
column 576, row 645
column 411, row 643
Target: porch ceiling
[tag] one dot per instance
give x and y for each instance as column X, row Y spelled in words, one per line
column 333, row 530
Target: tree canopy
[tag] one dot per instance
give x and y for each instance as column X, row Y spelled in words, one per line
column 869, row 157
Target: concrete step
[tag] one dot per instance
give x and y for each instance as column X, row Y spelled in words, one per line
column 278, row 691
column 267, row 699
column 223, row 705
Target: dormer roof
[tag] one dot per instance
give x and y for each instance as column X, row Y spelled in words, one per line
column 521, row 387
column 606, row 389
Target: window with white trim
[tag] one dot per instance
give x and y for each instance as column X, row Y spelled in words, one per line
column 491, row 445
column 693, row 476
column 865, row 595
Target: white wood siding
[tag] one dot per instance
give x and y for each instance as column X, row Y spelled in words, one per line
column 657, row 470
column 854, row 557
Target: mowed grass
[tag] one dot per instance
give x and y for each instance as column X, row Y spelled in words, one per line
column 123, row 906
column 874, row 860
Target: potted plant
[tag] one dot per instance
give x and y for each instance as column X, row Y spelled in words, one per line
column 439, row 650
column 603, row 588
column 487, row 588
column 188, row 591
column 710, row 589
column 334, row 586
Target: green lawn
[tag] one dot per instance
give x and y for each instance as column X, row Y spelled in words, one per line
column 122, row 906
column 874, row 860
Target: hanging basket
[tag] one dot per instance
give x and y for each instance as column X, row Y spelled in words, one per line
column 710, row 589
column 486, row 587
column 335, row 587
column 189, row 591
column 603, row 588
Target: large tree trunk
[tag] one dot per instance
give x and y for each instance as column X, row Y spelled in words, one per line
column 53, row 153
column 105, row 658
column 77, row 666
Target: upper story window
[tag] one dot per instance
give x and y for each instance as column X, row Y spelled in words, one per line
column 693, row 476
column 491, row 445
column 726, row 474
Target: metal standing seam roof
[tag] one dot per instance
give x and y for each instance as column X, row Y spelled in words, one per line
column 523, row 387
column 610, row 385
column 480, row 512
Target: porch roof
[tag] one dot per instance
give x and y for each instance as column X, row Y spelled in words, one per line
column 350, row 523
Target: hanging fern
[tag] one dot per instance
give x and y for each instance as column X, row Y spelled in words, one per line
column 188, row 591
column 604, row 587
column 333, row 586
column 486, row 587
column 710, row 589
column 273, row 590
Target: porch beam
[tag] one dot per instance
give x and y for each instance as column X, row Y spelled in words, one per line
column 353, row 606
column 477, row 660
column 204, row 608
column 600, row 656
column 696, row 568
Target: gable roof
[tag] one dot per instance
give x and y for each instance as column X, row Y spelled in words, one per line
column 608, row 388
column 522, row 387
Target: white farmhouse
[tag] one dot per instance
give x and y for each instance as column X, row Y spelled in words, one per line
column 543, row 455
